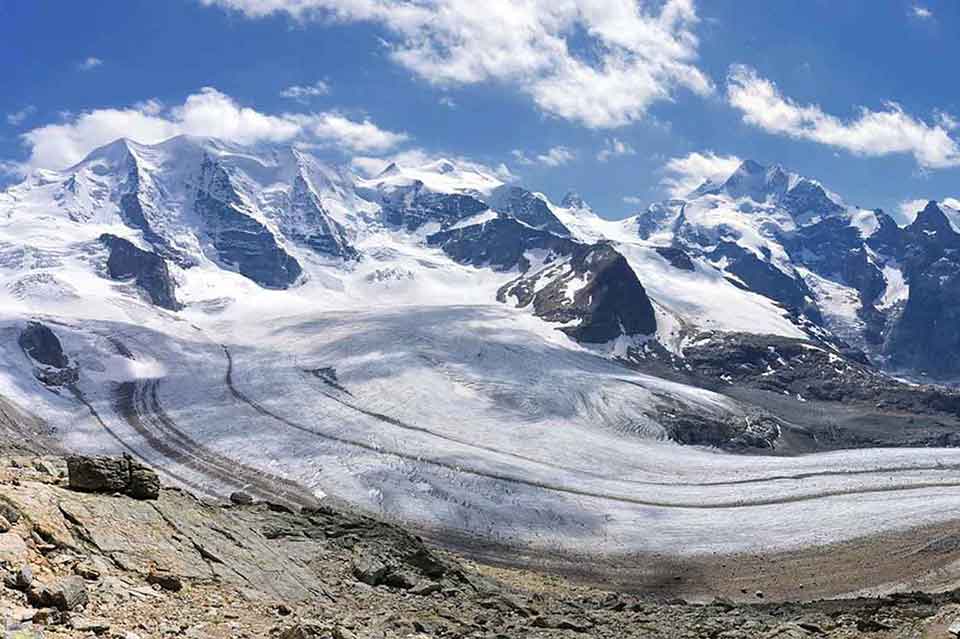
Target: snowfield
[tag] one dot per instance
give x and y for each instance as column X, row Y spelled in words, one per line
column 398, row 384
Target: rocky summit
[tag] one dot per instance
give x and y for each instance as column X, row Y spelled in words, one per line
column 81, row 557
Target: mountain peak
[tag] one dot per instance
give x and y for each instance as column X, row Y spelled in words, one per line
column 392, row 169
column 573, row 200
column 932, row 218
column 750, row 167
column 116, row 151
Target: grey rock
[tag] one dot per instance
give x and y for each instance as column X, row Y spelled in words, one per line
column 166, row 580
column 19, row 580
column 305, row 630
column 609, row 300
column 144, row 483
column 112, row 475
column 42, row 346
column 99, row 474
column 241, row 498
column 148, row 270
column 241, row 242
column 368, row 568
column 69, row 593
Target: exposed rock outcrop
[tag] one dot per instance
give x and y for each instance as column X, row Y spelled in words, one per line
column 500, row 243
column 239, row 241
column 117, row 567
column 52, row 366
column 148, row 270
column 593, row 291
column 113, row 475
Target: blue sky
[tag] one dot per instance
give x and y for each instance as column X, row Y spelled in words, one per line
column 626, row 102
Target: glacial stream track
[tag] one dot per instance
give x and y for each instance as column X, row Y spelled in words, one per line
column 137, row 402
column 746, row 502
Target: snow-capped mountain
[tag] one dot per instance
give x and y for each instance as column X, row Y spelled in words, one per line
column 439, row 346
column 853, row 273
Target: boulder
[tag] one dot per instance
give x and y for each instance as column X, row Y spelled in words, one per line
column 166, row 580
column 369, row 569
column 112, row 475
column 99, row 474
column 69, row 593
column 144, row 483
column 19, row 580
column 241, row 498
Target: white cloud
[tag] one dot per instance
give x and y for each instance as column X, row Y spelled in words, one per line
column 89, row 64
column 872, row 133
column 304, row 93
column 365, row 137
column 641, row 51
column 921, row 12
column 910, row 208
column 18, row 117
column 556, row 156
column 206, row 113
column 614, row 147
column 686, row 173
column 448, row 102
column 632, row 199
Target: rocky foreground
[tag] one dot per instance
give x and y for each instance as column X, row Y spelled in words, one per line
column 94, row 547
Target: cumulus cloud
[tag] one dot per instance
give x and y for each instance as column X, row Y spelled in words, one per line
column 872, row 133
column 205, row 113
column 632, row 200
column 88, row 64
column 921, row 12
column 640, row 51
column 613, row 147
column 686, row 173
column 556, row 156
column 304, row 93
column 18, row 117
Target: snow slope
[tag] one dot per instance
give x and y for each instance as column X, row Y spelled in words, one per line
column 396, row 382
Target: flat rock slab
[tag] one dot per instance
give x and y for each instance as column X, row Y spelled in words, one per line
column 176, row 535
column 13, row 551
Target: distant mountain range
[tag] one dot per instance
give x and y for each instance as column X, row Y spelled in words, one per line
column 765, row 252
column 444, row 348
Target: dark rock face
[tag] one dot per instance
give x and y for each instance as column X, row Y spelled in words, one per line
column 149, row 270
column 808, row 200
column 658, row 216
column 307, row 222
column 131, row 209
column 112, row 475
column 241, row 242
column 499, row 244
column 523, row 205
column 67, row 594
column 414, row 207
column 766, row 279
column 677, row 257
column 834, row 249
column 609, row 300
column 926, row 336
column 794, row 367
column 42, row 346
